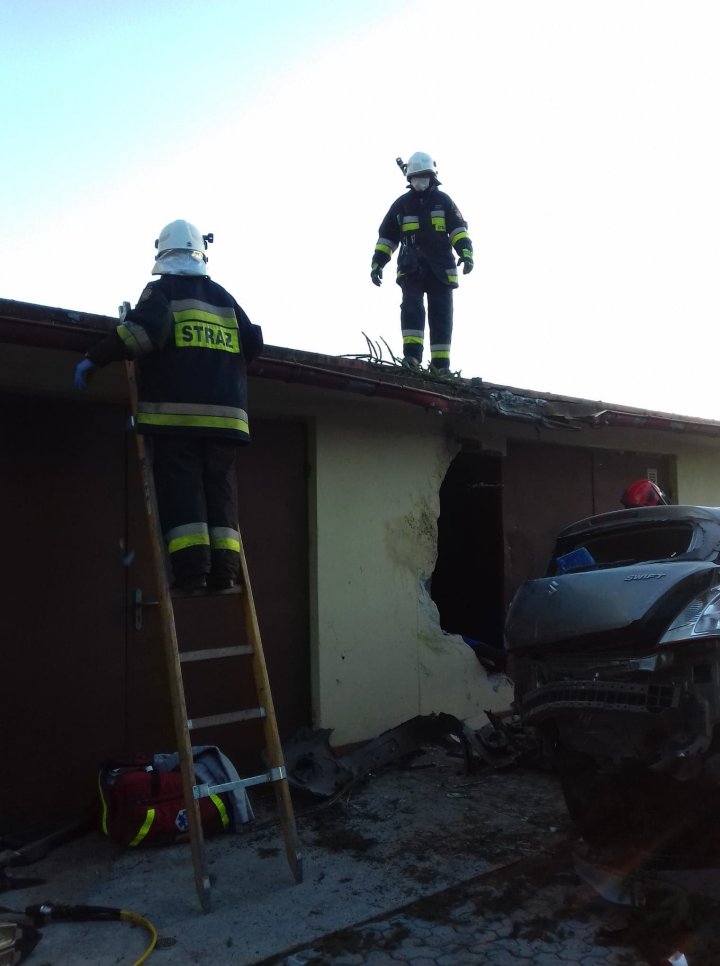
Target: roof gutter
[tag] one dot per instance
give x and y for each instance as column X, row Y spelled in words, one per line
column 640, row 420
column 53, row 328
column 300, row 372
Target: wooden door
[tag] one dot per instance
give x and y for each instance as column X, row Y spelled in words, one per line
column 63, row 615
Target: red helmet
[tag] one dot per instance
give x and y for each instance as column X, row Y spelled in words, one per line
column 643, row 493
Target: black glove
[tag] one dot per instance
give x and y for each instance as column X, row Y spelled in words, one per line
column 467, row 263
column 376, row 275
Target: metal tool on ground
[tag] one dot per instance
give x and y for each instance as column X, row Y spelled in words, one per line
column 245, row 662
column 15, row 854
column 18, row 936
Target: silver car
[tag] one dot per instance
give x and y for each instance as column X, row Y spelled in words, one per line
column 615, row 655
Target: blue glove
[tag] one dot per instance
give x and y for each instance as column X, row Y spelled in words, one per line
column 83, row 371
column 376, row 275
column 467, row 263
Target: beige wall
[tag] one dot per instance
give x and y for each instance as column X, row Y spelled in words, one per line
column 698, row 472
column 381, row 656
column 378, row 654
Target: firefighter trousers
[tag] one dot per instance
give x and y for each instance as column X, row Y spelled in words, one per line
column 196, row 483
column 439, row 315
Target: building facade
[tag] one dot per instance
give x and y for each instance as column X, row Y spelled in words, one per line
column 383, row 517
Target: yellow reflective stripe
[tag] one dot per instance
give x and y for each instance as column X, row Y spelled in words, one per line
column 452, row 278
column 386, row 245
column 104, row 805
column 220, row 806
column 198, row 315
column 182, row 543
column 128, row 338
column 439, row 223
column 225, row 543
column 145, row 827
column 457, row 235
column 411, row 226
column 439, row 355
column 194, row 422
column 135, row 337
column 413, row 340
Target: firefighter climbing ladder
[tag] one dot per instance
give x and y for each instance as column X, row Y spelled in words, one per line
column 252, row 653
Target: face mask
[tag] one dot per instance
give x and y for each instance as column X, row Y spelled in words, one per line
column 420, row 184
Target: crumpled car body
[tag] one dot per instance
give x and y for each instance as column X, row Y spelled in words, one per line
column 615, row 655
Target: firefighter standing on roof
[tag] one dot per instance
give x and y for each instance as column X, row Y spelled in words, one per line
column 428, row 227
column 192, row 342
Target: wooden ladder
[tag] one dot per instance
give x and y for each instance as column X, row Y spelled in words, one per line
column 249, row 652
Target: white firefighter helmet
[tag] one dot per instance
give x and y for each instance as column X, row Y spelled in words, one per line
column 420, row 163
column 182, row 236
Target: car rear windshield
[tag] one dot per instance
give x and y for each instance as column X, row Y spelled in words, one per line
column 625, row 545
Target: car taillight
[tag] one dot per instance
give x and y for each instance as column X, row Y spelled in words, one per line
column 699, row 618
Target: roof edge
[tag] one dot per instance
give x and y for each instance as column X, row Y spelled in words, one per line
column 31, row 324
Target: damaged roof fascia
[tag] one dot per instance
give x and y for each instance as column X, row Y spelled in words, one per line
column 43, row 326
column 50, row 328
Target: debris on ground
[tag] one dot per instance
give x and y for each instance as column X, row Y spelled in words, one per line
column 312, row 765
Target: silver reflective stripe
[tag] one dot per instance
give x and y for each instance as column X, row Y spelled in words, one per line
column 186, row 530
column 416, row 332
column 437, row 213
column 224, row 538
column 412, row 219
column 188, row 305
column 193, row 409
column 386, row 243
column 224, row 533
column 438, row 347
column 458, row 232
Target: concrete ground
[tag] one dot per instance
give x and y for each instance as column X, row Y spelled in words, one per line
column 420, row 863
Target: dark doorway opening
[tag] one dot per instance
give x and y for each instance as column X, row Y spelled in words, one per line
column 468, row 580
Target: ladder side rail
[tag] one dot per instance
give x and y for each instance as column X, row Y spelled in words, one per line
column 172, row 661
column 272, row 740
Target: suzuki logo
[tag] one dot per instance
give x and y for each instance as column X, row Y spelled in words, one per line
column 554, row 587
column 645, row 576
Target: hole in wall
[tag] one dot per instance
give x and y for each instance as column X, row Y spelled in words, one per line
column 467, row 583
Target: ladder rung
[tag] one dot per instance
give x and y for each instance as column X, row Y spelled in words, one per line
column 274, row 775
column 212, row 653
column 228, row 718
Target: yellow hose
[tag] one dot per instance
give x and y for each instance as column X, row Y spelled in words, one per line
column 141, row 921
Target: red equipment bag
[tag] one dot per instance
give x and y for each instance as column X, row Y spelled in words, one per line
column 142, row 805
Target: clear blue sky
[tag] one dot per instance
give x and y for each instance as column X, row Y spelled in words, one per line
column 580, row 139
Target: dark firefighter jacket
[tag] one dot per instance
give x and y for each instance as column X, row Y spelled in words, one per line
column 191, row 341
column 428, row 226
